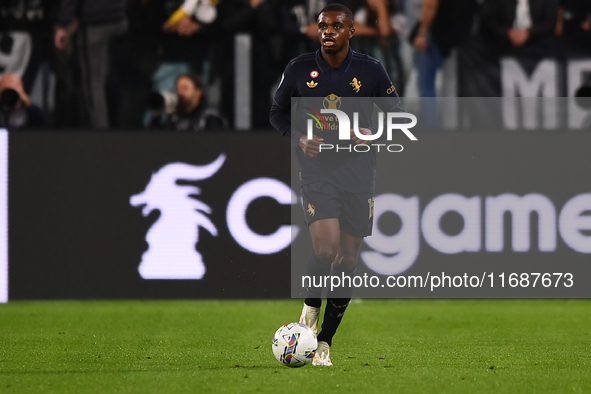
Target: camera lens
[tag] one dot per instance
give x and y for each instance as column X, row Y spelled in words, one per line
column 155, row 101
column 8, row 99
column 6, row 43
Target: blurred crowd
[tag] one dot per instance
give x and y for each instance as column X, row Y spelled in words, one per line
column 169, row 64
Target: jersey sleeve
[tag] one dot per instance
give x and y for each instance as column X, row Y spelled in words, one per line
column 385, row 92
column 280, row 115
column 386, row 96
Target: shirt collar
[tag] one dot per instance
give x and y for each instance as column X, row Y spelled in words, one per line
column 325, row 67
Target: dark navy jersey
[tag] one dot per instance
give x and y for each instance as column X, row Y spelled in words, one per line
column 310, row 75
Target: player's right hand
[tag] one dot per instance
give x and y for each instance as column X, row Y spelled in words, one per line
column 310, row 147
column 357, row 140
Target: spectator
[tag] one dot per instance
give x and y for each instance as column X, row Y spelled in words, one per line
column 187, row 19
column 444, row 24
column 191, row 112
column 306, row 14
column 166, row 38
column 574, row 22
column 375, row 33
column 25, row 37
column 515, row 23
column 187, row 29
column 313, row 8
column 260, row 18
column 99, row 23
column 299, row 26
column 17, row 110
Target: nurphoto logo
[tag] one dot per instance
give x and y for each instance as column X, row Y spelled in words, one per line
column 344, row 129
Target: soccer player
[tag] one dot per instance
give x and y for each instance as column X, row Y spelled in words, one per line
column 338, row 198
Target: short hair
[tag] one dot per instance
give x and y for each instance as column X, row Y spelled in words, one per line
column 196, row 79
column 339, row 8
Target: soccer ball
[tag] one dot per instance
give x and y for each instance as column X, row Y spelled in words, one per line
column 294, row 345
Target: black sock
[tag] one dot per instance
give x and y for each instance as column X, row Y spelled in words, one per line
column 333, row 314
column 315, row 269
column 337, row 301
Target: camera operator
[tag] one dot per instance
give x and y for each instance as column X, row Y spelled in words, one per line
column 17, row 111
column 187, row 110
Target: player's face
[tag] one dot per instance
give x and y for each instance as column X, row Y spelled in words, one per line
column 334, row 31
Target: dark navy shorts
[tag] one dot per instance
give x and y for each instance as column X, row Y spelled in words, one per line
column 325, row 201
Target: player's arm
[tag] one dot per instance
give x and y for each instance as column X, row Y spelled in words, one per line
column 385, row 94
column 280, row 115
column 363, row 130
column 280, row 118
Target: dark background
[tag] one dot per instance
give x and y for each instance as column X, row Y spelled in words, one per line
column 74, row 234
column 554, row 164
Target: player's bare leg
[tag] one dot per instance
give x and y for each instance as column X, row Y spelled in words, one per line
column 325, row 238
column 338, row 299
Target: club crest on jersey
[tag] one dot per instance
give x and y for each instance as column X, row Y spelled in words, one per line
column 314, row 74
column 356, row 85
column 312, row 84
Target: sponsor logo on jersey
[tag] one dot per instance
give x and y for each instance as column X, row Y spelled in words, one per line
column 391, row 89
column 312, row 84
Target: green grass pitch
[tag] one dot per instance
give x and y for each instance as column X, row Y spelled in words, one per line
column 402, row 346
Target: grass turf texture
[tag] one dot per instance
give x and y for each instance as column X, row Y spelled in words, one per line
column 225, row 346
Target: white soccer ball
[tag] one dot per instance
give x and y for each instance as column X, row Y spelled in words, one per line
column 294, row 345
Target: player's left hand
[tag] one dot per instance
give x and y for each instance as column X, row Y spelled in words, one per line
column 359, row 141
